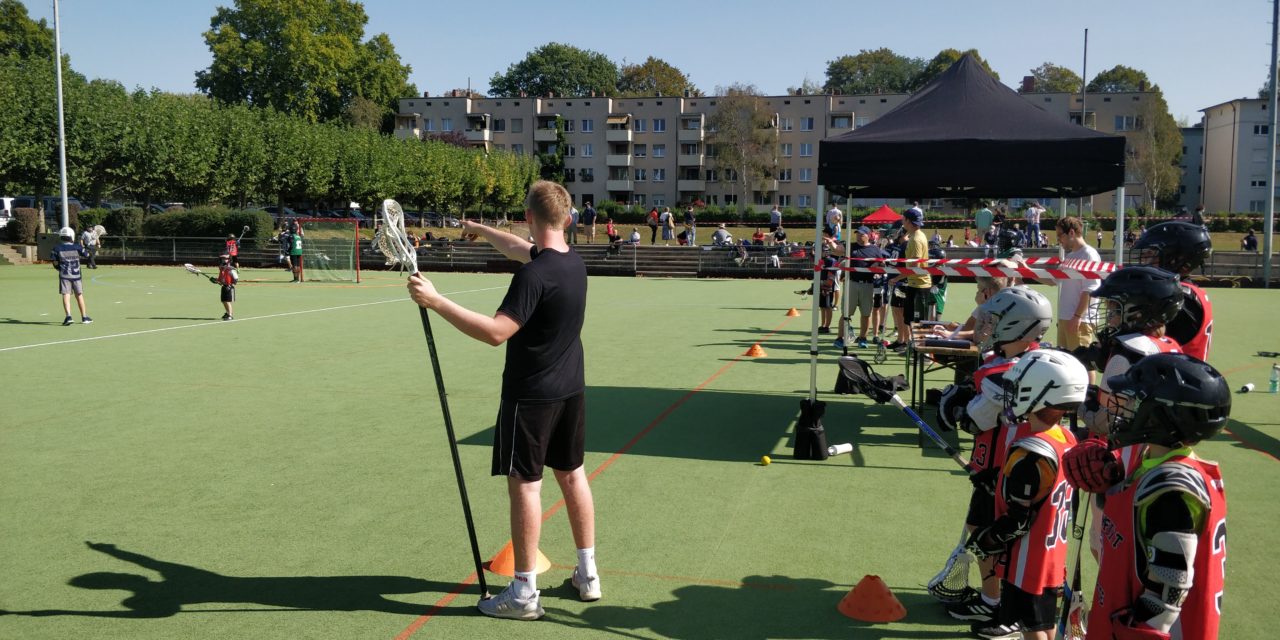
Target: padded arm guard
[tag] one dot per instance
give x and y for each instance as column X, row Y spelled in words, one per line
column 952, row 408
column 1090, row 466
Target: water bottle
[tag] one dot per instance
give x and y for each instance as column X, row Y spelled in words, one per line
column 1275, row 378
column 837, row 449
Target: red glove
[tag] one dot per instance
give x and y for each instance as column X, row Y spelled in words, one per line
column 1090, row 466
column 1124, row 627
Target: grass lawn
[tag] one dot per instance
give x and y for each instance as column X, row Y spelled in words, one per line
column 164, row 474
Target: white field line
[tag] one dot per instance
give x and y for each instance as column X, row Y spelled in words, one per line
column 222, row 323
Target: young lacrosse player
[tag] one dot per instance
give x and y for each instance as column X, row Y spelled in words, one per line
column 233, row 250
column 66, row 259
column 1018, row 317
column 1033, row 499
column 542, row 413
column 1181, row 247
column 1160, row 572
column 227, row 277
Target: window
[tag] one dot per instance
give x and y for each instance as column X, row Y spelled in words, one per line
column 517, row 149
column 517, row 125
column 1257, row 206
column 659, row 199
column 806, row 124
column 641, row 175
column 1258, row 183
column 690, row 124
column 568, row 125
column 806, row 149
column 642, row 150
column 806, row 175
column 500, row 147
column 588, row 125
column 428, row 124
column 785, row 149
column 659, row 175
column 730, row 198
column 805, row 201
column 1128, row 123
column 569, row 175
column 659, row 150
column 784, row 123
column 637, row 125
column 586, row 150
column 784, row 200
column 713, row 175
column 840, row 122
column 586, row 174
column 689, row 149
column 659, row 125
column 1261, row 129
column 638, row 199
column 570, row 151
column 784, row 175
column 446, row 124
column 499, row 124
column 861, row 121
column 730, row 175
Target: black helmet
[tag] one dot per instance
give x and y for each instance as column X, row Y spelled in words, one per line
column 1174, row 246
column 936, row 252
column 1169, row 399
column 1147, row 297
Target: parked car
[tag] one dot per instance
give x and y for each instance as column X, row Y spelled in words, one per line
column 275, row 212
column 6, row 211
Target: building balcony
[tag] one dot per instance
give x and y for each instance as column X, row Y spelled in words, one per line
column 617, row 135
column 479, row 136
column 766, row 185
column 620, row 160
column 692, row 160
column 692, row 185
column 619, row 185
column 544, row 135
column 403, row 133
column 690, row 135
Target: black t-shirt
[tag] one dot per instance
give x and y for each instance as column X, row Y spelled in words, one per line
column 548, row 299
column 865, row 251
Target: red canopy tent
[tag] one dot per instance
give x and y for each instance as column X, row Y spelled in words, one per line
column 884, row 215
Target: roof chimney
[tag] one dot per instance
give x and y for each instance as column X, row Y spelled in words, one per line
column 1142, row 85
column 1028, row 84
column 426, row 94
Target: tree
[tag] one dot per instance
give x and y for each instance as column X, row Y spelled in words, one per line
column 305, row 57
column 742, row 131
column 1155, row 147
column 878, row 71
column 1119, row 79
column 558, row 69
column 654, row 77
column 807, row 88
column 22, row 37
column 943, row 61
column 1050, row 78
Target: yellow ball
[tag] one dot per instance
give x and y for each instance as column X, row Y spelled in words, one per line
column 765, row 460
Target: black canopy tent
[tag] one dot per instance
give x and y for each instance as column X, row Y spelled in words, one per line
column 966, row 135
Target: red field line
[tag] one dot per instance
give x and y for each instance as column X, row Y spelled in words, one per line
column 471, row 579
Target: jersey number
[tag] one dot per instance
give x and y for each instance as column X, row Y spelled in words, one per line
column 1060, row 502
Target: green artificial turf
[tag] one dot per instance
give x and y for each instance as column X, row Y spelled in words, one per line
column 287, row 474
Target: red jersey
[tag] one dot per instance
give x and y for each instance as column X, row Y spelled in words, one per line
column 989, row 446
column 1038, row 560
column 233, row 248
column 1197, row 310
column 226, row 276
column 1121, row 562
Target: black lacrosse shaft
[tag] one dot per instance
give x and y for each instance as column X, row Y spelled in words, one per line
column 453, row 449
column 933, row 435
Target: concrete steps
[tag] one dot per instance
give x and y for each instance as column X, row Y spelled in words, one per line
column 10, row 255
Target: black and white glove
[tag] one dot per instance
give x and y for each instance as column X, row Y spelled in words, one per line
column 985, row 480
column 953, row 408
column 982, row 544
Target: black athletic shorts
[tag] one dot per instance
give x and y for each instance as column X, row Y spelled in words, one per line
column 1036, row 612
column 982, row 509
column 228, row 293
column 877, row 298
column 530, row 435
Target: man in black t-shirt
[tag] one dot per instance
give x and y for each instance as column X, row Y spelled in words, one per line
column 541, row 415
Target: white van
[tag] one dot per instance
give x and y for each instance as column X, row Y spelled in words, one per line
column 6, row 211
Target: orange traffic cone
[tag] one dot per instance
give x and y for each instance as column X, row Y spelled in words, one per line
column 504, row 563
column 792, row 313
column 755, row 351
column 872, row 601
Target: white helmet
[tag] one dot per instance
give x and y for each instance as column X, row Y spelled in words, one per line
column 1045, row 378
column 1016, row 313
column 66, row 232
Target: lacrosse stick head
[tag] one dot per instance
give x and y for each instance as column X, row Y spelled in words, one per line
column 868, row 382
column 392, row 241
column 1076, row 617
column 99, row 230
column 190, row 267
column 951, row 584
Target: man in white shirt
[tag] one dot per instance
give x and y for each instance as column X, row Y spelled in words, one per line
column 1077, row 312
column 1034, row 211
column 571, row 231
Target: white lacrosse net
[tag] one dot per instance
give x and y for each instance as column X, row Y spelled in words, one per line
column 951, row 584
column 392, row 241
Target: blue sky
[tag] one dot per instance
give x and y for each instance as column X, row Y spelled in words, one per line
column 1200, row 53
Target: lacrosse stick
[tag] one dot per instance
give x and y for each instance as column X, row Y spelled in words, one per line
column 804, row 294
column 394, row 243
column 191, row 268
column 881, row 390
column 951, row 584
column 242, row 232
column 1075, row 612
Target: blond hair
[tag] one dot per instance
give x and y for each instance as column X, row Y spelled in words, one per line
column 993, row 285
column 549, row 202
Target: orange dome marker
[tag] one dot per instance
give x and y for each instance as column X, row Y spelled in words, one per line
column 755, row 351
column 792, row 313
column 504, row 563
column 872, row 601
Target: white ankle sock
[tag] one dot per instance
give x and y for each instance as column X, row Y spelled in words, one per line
column 587, row 562
column 990, row 601
column 526, row 584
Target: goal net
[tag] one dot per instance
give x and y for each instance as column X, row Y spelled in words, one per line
column 329, row 249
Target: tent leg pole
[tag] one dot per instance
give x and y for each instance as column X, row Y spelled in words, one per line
column 817, row 291
column 1121, row 227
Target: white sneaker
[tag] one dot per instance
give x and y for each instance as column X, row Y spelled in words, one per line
column 588, row 588
column 507, row 605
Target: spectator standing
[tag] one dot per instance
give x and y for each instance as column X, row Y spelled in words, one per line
column 982, row 220
column 89, row 240
column 572, row 229
column 1099, row 237
column 917, row 286
column 691, row 226
column 1077, row 311
column 667, row 221
column 652, row 220
column 1034, row 211
column 835, row 220
column 861, row 294
column 66, row 259
column 1197, row 218
column 541, row 417
column 775, row 219
column 589, row 222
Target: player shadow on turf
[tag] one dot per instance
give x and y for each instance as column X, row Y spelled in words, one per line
column 759, row 607
column 183, row 585
column 1240, row 434
column 17, row 321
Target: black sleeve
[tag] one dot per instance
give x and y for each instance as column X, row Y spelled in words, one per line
column 522, row 297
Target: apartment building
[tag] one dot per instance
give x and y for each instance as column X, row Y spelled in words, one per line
column 1192, row 166
column 1237, row 175
column 654, row 151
